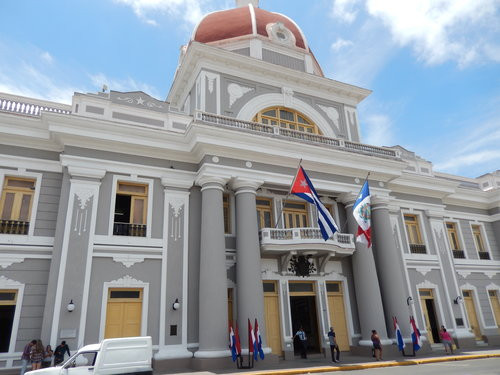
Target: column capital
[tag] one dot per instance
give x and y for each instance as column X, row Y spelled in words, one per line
column 348, row 198
column 210, row 181
column 245, row 185
column 177, row 179
column 76, row 172
column 436, row 214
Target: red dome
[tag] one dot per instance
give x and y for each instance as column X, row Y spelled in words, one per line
column 237, row 22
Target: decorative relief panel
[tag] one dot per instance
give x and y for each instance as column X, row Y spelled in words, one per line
column 211, row 78
column 332, row 113
column 7, row 260
column 176, row 207
column 8, row 283
column 236, row 92
column 138, row 99
column 128, row 260
column 269, row 267
column 287, row 96
column 82, row 216
column 127, row 281
column 464, row 274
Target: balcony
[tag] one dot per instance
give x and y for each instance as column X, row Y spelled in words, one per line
column 293, row 135
column 281, row 241
column 131, row 230
column 10, row 104
column 14, row 227
column 458, row 254
column 483, row 255
column 417, row 249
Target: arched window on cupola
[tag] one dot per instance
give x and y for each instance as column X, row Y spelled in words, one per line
column 286, row 118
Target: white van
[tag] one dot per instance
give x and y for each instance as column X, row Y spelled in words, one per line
column 128, row 355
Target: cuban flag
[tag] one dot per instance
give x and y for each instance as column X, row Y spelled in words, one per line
column 234, row 343
column 362, row 214
column 252, row 343
column 259, row 340
column 399, row 336
column 415, row 335
column 303, row 188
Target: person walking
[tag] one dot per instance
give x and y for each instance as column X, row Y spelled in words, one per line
column 303, row 342
column 61, row 349
column 25, row 357
column 49, row 354
column 333, row 345
column 446, row 340
column 36, row 355
column 377, row 345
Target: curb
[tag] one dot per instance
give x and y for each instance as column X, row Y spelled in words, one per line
column 365, row 366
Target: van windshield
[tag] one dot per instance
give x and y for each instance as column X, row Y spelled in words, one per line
column 81, row 360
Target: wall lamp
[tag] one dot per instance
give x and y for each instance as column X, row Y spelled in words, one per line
column 71, row 306
column 458, row 300
column 176, row 304
column 409, row 301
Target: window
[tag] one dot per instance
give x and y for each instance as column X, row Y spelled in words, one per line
column 131, row 209
column 413, row 232
column 86, row 359
column 264, row 213
column 479, row 242
column 227, row 215
column 15, row 205
column 286, row 118
column 454, row 242
column 295, row 214
column 8, row 300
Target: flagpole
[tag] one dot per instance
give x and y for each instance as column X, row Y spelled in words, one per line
column 288, row 194
column 363, row 184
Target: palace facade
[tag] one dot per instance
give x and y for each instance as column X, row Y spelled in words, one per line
column 172, row 218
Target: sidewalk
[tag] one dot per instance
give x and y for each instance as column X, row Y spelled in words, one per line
column 318, row 363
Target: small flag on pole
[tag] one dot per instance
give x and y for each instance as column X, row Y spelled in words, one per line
column 399, row 336
column 415, row 335
column 252, row 344
column 259, row 340
column 362, row 214
column 303, row 188
column 234, row 343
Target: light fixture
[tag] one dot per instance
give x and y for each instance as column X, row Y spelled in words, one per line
column 409, row 301
column 176, row 304
column 71, row 306
column 458, row 300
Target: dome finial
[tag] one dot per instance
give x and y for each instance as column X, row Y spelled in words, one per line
column 243, row 3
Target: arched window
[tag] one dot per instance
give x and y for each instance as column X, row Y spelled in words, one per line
column 286, row 118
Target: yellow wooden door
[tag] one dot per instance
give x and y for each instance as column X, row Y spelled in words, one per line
column 123, row 313
column 495, row 305
column 272, row 316
column 471, row 314
column 426, row 294
column 337, row 314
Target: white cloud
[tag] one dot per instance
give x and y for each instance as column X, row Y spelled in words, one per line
column 47, row 57
column 189, row 11
column 127, row 84
column 341, row 43
column 345, row 10
column 464, row 31
column 377, row 130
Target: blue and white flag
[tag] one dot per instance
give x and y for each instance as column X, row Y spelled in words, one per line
column 399, row 336
column 362, row 214
column 303, row 188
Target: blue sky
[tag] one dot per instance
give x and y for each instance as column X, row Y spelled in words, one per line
column 433, row 65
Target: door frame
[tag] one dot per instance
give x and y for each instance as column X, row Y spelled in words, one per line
column 125, row 282
column 437, row 303
column 280, row 312
column 8, row 284
column 347, row 311
column 495, row 288
column 477, row 307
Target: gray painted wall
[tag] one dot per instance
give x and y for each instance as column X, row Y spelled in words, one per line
column 48, row 204
column 194, row 263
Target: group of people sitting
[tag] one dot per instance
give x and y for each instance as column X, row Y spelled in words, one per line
column 40, row 357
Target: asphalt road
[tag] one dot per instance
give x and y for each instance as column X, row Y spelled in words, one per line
column 489, row 366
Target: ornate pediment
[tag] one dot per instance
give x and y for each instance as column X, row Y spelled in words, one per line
column 138, row 99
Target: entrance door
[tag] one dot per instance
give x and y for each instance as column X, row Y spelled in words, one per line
column 303, row 311
column 337, row 314
column 272, row 314
column 7, row 309
column 429, row 310
column 124, row 313
column 295, row 214
column 495, row 305
column 471, row 314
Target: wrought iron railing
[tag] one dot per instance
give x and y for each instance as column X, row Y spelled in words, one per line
column 458, row 254
column 417, row 249
column 303, row 235
column 14, row 227
column 28, row 109
column 275, row 131
column 127, row 229
column 484, row 255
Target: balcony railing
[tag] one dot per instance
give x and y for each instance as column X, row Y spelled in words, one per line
column 458, row 254
column 274, row 131
column 484, row 255
column 304, row 235
column 127, row 229
column 28, row 109
column 417, row 249
column 14, row 227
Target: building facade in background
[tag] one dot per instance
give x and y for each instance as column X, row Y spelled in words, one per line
column 123, row 205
